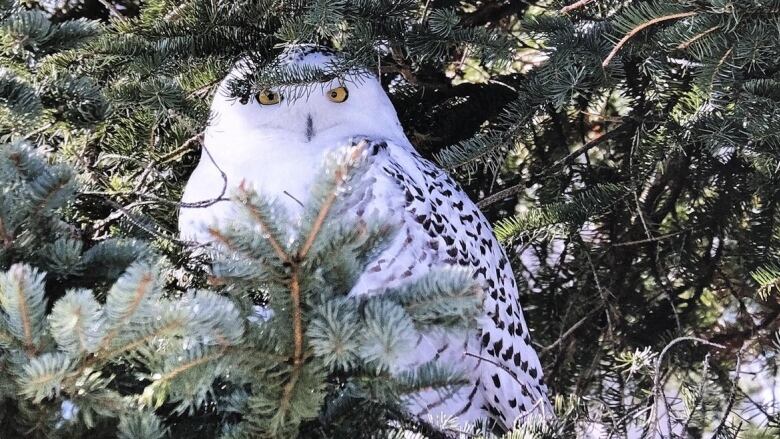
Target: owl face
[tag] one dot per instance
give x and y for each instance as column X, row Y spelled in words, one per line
column 355, row 105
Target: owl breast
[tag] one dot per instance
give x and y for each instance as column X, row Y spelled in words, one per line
column 440, row 227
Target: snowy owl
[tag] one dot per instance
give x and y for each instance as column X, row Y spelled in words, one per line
column 276, row 143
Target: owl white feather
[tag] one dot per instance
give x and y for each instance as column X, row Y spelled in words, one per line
column 276, row 144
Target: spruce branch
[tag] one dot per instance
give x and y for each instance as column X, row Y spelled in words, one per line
column 271, row 235
column 76, row 321
column 131, row 344
column 22, row 298
column 768, row 279
column 569, row 331
column 581, row 207
column 514, row 190
column 126, row 298
column 339, row 176
column 685, row 44
column 697, row 110
column 719, row 430
column 44, row 374
column 640, row 28
column 440, row 298
column 192, row 363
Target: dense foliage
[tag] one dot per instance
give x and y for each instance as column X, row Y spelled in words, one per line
column 627, row 152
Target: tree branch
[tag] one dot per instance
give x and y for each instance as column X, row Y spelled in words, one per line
column 575, row 5
column 638, row 29
column 516, row 189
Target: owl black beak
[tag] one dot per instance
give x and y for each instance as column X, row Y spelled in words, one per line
column 309, row 128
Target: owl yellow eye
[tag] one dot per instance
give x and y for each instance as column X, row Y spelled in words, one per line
column 338, row 95
column 268, row 97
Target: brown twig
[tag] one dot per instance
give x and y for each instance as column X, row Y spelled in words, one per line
column 204, row 90
column 575, row 5
column 297, row 323
column 175, row 12
column 295, row 287
column 639, row 28
column 718, row 66
column 684, row 45
column 8, row 240
column 568, row 332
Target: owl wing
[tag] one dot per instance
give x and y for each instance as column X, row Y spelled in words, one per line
column 441, row 227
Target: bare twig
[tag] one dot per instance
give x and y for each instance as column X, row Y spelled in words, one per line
column 658, row 392
column 567, row 333
column 293, row 198
column 424, row 13
column 175, row 13
column 124, row 210
column 699, row 392
column 654, row 239
column 218, row 198
column 498, row 365
column 602, row 292
column 537, row 405
column 575, row 5
column 732, row 396
column 204, row 90
column 112, row 9
column 186, row 146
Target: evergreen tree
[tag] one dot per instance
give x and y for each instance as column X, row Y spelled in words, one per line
column 303, row 357
column 626, row 150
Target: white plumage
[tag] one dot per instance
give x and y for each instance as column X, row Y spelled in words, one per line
column 277, row 147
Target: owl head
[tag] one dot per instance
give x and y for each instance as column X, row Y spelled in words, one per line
column 349, row 105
